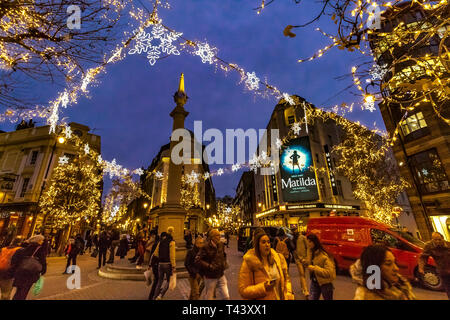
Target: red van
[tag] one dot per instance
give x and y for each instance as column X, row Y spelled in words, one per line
column 346, row 237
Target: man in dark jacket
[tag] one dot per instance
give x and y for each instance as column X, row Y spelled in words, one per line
column 195, row 279
column 79, row 242
column 24, row 276
column 103, row 244
column 115, row 241
column 212, row 262
column 439, row 249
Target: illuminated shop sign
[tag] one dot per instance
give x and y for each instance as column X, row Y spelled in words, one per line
column 262, row 214
column 298, row 180
column 330, row 170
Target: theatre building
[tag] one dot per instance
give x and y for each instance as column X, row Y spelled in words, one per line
column 304, row 186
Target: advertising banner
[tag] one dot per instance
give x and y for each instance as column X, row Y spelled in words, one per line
column 298, row 180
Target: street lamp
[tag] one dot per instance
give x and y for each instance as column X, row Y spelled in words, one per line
column 145, row 205
column 207, row 207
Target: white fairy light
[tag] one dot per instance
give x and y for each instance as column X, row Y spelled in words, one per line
column 159, row 175
column 288, row 99
column 87, row 150
column 254, row 163
column 139, row 172
column 378, row 72
column 220, row 172
column 68, row 131
column 278, row 143
column 369, row 103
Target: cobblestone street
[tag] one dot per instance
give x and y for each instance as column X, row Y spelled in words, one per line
column 94, row 287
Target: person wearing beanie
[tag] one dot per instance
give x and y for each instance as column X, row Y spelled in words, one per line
column 263, row 274
column 165, row 252
column 24, row 275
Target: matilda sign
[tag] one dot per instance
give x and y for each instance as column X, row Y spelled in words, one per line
column 298, row 181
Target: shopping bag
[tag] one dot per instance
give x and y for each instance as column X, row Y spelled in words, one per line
column 148, row 277
column 38, row 285
column 173, row 282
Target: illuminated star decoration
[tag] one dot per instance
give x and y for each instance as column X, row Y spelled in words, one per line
column 159, row 175
column 139, row 172
column 63, row 160
column 166, row 38
column 296, row 128
column 252, row 81
column 87, row 149
column 220, row 172
column 113, row 168
column 206, row 175
column 114, row 211
column 425, row 172
column 235, row 167
column 192, row 178
column 206, row 53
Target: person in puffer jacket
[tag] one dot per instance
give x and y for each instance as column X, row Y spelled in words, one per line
column 390, row 286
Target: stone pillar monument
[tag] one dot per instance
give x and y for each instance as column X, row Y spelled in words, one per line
column 172, row 213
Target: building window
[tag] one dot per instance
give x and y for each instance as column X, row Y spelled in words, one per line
column 413, row 123
column 322, row 188
column 339, row 188
column 429, row 172
column 24, row 187
column 291, row 119
column 34, row 156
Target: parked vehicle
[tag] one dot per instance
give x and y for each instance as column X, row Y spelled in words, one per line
column 245, row 234
column 346, row 237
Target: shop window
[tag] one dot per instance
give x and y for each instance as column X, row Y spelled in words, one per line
column 413, row 123
column 429, row 172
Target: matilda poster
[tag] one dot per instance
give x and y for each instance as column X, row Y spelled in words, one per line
column 298, row 181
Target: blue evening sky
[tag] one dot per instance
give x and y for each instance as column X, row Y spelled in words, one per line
column 130, row 106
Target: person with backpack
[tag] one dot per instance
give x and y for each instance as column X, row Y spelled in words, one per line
column 282, row 245
column 30, row 264
column 165, row 251
column 321, row 269
column 6, row 269
column 71, row 251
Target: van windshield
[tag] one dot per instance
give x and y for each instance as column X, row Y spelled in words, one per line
column 409, row 237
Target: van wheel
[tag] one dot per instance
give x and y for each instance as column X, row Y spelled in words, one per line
column 430, row 279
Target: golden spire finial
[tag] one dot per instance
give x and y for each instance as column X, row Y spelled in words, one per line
column 181, row 86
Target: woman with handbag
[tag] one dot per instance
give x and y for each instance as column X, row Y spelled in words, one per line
column 263, row 274
column 30, row 264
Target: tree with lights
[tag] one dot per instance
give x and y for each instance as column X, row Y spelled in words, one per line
column 74, row 193
column 190, row 197
column 41, row 40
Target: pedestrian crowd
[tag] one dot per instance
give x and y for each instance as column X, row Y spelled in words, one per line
column 263, row 275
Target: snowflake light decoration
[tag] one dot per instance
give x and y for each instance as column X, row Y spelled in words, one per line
column 279, row 143
column 159, row 175
column 378, row 72
column 139, row 172
column 369, row 103
column 192, row 178
column 288, row 99
column 113, row 168
column 252, row 81
column 166, row 38
column 205, row 52
column 235, row 167
column 206, row 175
column 220, row 172
column 99, row 159
column 87, row 149
column 68, row 132
column 254, row 163
column 296, row 128
column 63, row 160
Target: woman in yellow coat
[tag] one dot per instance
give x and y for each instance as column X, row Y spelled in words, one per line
column 263, row 273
